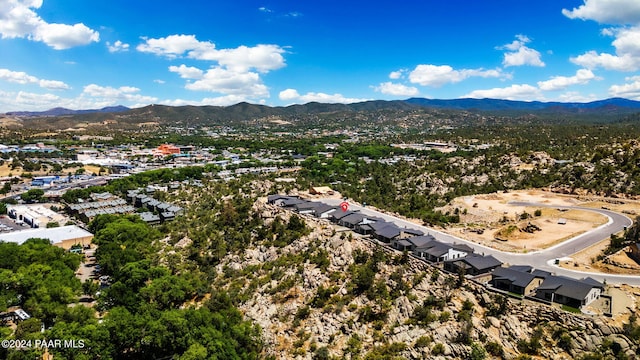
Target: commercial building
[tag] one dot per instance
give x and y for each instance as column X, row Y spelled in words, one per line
column 64, row 237
column 34, row 215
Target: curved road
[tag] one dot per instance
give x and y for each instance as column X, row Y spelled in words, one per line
column 542, row 259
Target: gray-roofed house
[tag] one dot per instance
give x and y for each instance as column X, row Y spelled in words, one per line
column 150, row 218
column 513, row 280
column 473, row 264
column 352, row 220
column 571, row 292
column 385, row 231
column 317, row 209
column 337, row 215
column 427, row 247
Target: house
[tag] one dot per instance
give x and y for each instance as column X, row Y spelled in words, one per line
column 288, row 201
column 439, row 252
column 167, row 216
column 385, row 231
column 514, row 280
column 336, row 216
column 150, row 218
column 272, row 199
column 571, row 292
column 352, row 220
column 14, row 314
column 410, row 244
column 472, row 264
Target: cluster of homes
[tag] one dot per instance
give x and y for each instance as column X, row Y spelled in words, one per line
column 102, row 203
column 157, row 211
column 520, row 280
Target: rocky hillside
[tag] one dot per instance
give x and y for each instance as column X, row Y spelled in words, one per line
column 324, row 294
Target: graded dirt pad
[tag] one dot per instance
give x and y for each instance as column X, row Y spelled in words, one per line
column 492, row 221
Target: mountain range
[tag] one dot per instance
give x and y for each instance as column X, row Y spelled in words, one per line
column 611, row 109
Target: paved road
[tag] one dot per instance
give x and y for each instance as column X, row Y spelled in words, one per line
column 543, row 259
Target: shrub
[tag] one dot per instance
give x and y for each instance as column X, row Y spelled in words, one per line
column 438, row 349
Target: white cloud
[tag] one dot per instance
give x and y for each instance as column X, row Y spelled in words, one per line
column 23, row 78
column 627, row 53
column 173, row 46
column 113, row 96
column 295, row 97
column 607, row 11
column 438, row 75
column 574, row 96
column 630, row 90
column 625, row 15
column 519, row 54
column 17, row 77
column 215, row 101
column 53, row 85
column 395, row 75
column 187, row 72
column 220, row 80
column 514, row 92
column 117, row 46
column 582, row 76
column 262, row 57
column 19, row 20
column 592, row 60
column 265, row 9
column 391, row 88
column 159, row 81
column 235, row 72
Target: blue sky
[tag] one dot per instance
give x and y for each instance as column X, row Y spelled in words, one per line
column 83, row 54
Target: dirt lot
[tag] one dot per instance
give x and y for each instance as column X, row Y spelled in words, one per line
column 492, row 221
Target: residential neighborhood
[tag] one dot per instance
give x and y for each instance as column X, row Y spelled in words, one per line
column 517, row 279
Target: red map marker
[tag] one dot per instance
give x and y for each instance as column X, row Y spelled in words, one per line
column 344, row 206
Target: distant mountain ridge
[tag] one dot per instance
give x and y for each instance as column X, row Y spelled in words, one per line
column 614, row 109
column 499, row 104
column 247, row 109
column 60, row 111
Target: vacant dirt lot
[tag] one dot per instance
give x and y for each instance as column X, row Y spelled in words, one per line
column 492, row 221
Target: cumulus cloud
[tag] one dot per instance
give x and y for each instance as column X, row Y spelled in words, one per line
column 293, row 96
column 214, row 101
column 625, row 16
column 582, row 76
column 607, row 11
column 626, row 57
column 262, row 57
column 630, row 90
column 519, row 54
column 117, row 46
column 391, row 88
column 438, row 75
column 112, row 96
column 17, row 77
column 574, row 96
column 513, row 92
column 187, row 72
column 19, row 20
column 20, row 77
column 92, row 97
column 230, row 82
column 173, row 46
column 53, row 85
column 394, row 75
column 235, row 71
